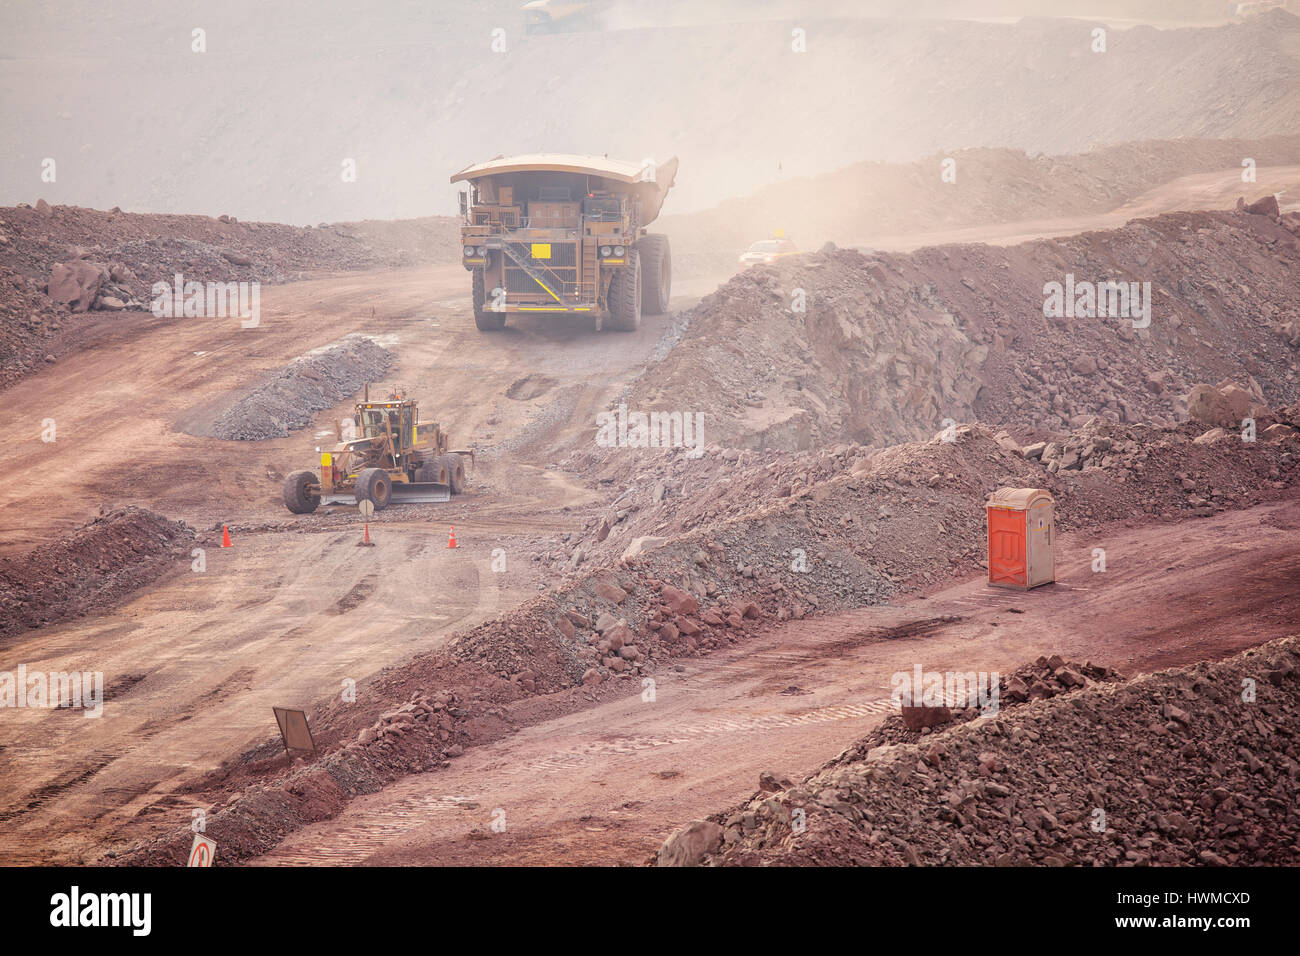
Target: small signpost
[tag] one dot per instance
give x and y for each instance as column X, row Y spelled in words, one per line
column 294, row 730
column 202, row 852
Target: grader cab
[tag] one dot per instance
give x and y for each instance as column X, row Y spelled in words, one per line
column 390, row 457
column 559, row 233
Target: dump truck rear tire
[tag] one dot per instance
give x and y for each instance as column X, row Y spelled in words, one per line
column 625, row 296
column 656, row 274
column 297, row 496
column 485, row 319
column 455, row 468
column 374, row 485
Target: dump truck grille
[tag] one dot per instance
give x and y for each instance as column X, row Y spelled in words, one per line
column 563, row 264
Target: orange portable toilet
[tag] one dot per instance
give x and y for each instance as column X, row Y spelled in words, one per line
column 1021, row 535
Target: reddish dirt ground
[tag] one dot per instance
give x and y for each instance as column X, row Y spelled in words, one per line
column 196, row 661
column 200, row 658
column 605, row 785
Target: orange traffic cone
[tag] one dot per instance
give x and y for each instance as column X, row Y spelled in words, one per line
column 225, row 537
column 451, row 538
column 367, row 541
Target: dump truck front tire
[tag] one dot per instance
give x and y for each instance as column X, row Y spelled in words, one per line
column 484, row 318
column 625, row 296
column 374, row 485
column 298, row 497
column 656, row 274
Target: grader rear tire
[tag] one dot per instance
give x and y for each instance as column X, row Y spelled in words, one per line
column 454, row 466
column 432, row 471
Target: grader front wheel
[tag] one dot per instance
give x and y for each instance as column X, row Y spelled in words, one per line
column 374, row 485
column 298, row 496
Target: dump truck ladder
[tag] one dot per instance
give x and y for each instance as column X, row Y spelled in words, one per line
column 590, row 269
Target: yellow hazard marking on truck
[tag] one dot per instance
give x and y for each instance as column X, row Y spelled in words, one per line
column 541, row 250
column 549, row 292
column 326, row 460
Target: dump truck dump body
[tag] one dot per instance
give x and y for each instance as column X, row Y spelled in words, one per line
column 564, row 233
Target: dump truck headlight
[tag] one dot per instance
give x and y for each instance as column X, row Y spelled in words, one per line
column 605, row 250
column 469, row 250
column 619, row 250
column 481, row 250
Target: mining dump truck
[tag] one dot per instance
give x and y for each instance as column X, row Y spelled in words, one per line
column 393, row 458
column 559, row 233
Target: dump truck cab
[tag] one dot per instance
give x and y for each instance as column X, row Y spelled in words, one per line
column 562, row 233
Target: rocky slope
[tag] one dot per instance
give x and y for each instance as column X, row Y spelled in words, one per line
column 57, row 262
column 868, row 526
column 887, row 347
column 1191, row 766
column 851, row 205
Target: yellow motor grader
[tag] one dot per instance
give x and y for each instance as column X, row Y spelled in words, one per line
column 393, row 458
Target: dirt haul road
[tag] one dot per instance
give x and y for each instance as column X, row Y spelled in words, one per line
column 193, row 665
column 606, row 785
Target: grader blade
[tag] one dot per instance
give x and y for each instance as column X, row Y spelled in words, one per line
column 420, row 492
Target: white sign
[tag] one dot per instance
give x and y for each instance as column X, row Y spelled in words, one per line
column 202, row 852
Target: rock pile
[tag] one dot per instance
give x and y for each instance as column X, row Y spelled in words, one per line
column 436, row 710
column 1194, row 765
column 90, row 569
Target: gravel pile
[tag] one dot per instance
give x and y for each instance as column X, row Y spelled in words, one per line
column 287, row 401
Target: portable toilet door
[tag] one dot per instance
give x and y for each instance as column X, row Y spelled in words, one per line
column 1021, row 535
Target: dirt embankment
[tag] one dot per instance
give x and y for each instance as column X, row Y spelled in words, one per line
column 988, row 186
column 90, row 570
column 888, row 504
column 889, row 346
column 1192, row 766
column 119, row 256
column 842, row 529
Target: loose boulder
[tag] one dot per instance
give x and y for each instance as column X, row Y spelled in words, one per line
column 691, row 844
column 76, row 283
column 1224, row 407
